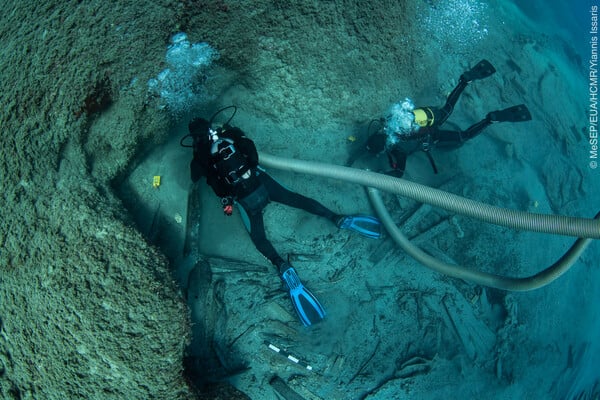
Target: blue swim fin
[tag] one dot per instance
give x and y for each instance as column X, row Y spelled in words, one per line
column 307, row 306
column 364, row 224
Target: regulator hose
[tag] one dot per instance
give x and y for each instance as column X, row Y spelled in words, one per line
column 521, row 220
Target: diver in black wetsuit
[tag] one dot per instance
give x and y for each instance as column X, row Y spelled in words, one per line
column 408, row 129
column 229, row 161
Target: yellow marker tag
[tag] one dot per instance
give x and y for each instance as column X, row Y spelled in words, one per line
column 156, row 181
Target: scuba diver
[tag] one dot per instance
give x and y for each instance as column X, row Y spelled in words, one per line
column 229, row 161
column 408, row 129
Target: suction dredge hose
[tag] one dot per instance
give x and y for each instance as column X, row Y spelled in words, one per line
column 583, row 228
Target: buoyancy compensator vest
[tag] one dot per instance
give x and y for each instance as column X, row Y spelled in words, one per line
column 230, row 164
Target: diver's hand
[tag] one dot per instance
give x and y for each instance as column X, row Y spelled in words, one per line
column 396, row 173
column 227, row 203
column 376, row 143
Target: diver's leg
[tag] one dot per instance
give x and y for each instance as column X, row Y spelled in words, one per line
column 475, row 129
column 518, row 113
column 443, row 113
column 449, row 139
column 483, row 69
column 256, row 228
column 440, row 115
column 282, row 195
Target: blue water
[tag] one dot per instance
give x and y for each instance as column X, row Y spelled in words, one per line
column 568, row 19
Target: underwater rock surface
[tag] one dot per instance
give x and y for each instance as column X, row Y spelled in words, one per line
column 87, row 308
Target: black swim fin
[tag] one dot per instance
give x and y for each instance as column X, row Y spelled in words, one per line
column 483, row 69
column 308, row 308
column 518, row 113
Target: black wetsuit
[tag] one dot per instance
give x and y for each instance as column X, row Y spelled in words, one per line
column 230, row 166
column 426, row 137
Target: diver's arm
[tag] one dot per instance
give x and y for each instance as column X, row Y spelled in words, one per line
column 376, row 143
column 218, row 186
column 397, row 160
column 199, row 163
column 245, row 145
column 197, row 170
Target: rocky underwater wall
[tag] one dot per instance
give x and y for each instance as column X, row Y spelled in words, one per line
column 87, row 308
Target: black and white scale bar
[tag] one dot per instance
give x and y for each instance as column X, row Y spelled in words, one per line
column 288, row 356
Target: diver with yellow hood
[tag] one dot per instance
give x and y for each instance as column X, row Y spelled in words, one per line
column 407, row 129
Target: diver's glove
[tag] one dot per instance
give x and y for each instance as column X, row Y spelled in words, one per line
column 227, row 203
column 395, row 172
column 376, row 143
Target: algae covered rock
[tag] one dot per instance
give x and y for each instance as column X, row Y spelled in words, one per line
column 87, row 308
